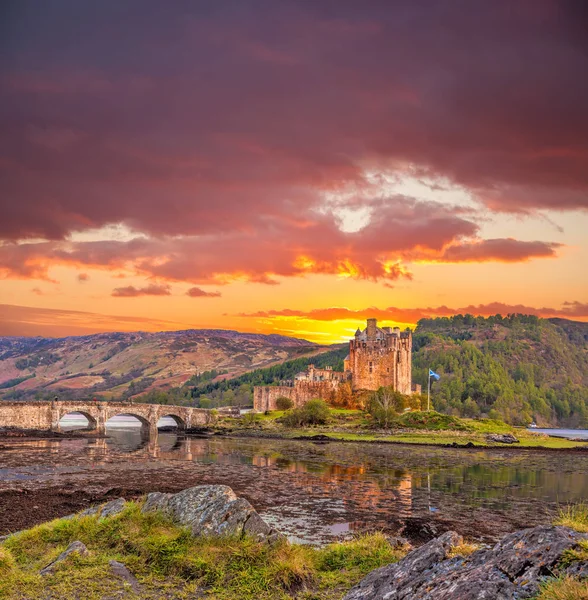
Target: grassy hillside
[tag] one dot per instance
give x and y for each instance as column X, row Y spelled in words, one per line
column 239, row 390
column 518, row 368
column 126, row 364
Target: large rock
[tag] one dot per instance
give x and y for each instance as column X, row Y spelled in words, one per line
column 502, row 438
column 211, row 510
column 73, row 548
column 512, row 569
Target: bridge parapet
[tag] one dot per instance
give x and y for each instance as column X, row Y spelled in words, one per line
column 46, row 415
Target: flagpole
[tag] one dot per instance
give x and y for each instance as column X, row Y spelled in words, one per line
column 429, row 391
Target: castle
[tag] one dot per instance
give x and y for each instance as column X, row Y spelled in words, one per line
column 378, row 356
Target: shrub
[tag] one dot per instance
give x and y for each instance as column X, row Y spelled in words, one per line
column 283, row 403
column 250, row 419
column 314, row 412
column 384, row 405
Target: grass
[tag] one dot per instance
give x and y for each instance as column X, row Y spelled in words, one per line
column 418, row 427
column 462, row 550
column 169, row 562
column 566, row 588
column 574, row 516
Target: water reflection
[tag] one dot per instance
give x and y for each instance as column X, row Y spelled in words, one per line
column 317, row 492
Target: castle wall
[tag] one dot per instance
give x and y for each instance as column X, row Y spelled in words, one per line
column 264, row 397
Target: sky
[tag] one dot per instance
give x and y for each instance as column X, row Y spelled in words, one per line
column 292, row 167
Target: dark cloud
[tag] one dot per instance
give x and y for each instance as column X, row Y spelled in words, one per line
column 83, row 277
column 223, row 118
column 152, row 289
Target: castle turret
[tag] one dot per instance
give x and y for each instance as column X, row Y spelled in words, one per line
column 372, row 328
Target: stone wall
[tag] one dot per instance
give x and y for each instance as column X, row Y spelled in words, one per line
column 45, row 416
column 264, row 397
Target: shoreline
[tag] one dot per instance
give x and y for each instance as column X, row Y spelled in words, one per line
column 326, row 438
column 320, row 437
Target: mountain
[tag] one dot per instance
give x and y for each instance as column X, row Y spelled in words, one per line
column 519, row 368
column 125, row 364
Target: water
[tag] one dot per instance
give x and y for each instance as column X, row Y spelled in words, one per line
column 72, row 421
column 566, row 433
column 313, row 492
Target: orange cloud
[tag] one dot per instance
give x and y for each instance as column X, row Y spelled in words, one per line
column 412, row 315
column 152, row 289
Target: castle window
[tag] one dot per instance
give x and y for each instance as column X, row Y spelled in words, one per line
column 371, row 364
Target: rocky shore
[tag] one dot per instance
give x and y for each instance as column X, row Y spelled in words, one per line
column 521, row 565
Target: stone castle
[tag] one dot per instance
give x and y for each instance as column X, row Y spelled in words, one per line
column 378, row 356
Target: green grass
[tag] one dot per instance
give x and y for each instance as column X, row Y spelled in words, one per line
column 418, row 427
column 574, row 516
column 169, row 562
column 566, row 588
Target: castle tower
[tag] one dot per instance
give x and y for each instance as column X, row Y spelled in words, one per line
column 381, row 357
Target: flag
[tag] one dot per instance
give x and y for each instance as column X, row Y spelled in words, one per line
column 433, row 374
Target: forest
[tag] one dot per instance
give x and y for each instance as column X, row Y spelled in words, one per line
column 518, row 368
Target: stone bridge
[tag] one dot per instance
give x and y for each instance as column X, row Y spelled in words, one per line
column 45, row 415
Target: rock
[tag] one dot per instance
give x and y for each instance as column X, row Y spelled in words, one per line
column 578, row 569
column 121, row 571
column 73, row 548
column 114, row 507
column 512, row 569
column 109, row 509
column 398, row 543
column 155, row 501
column 502, row 438
column 211, row 510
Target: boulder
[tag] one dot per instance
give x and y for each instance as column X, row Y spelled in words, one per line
column 512, row 569
column 211, row 510
column 73, row 548
column 502, row 438
column 121, row 571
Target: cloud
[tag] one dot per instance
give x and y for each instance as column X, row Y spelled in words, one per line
column 196, row 292
column 37, row 291
column 152, row 289
column 299, row 103
column 48, row 322
column 402, row 230
column 500, row 250
column 83, row 277
column 569, row 310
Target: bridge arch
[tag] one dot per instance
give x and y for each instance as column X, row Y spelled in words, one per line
column 179, row 421
column 92, row 421
column 145, row 423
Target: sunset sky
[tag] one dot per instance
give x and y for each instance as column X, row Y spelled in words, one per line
column 290, row 166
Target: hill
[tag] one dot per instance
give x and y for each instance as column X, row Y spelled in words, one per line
column 125, row 364
column 519, row 368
